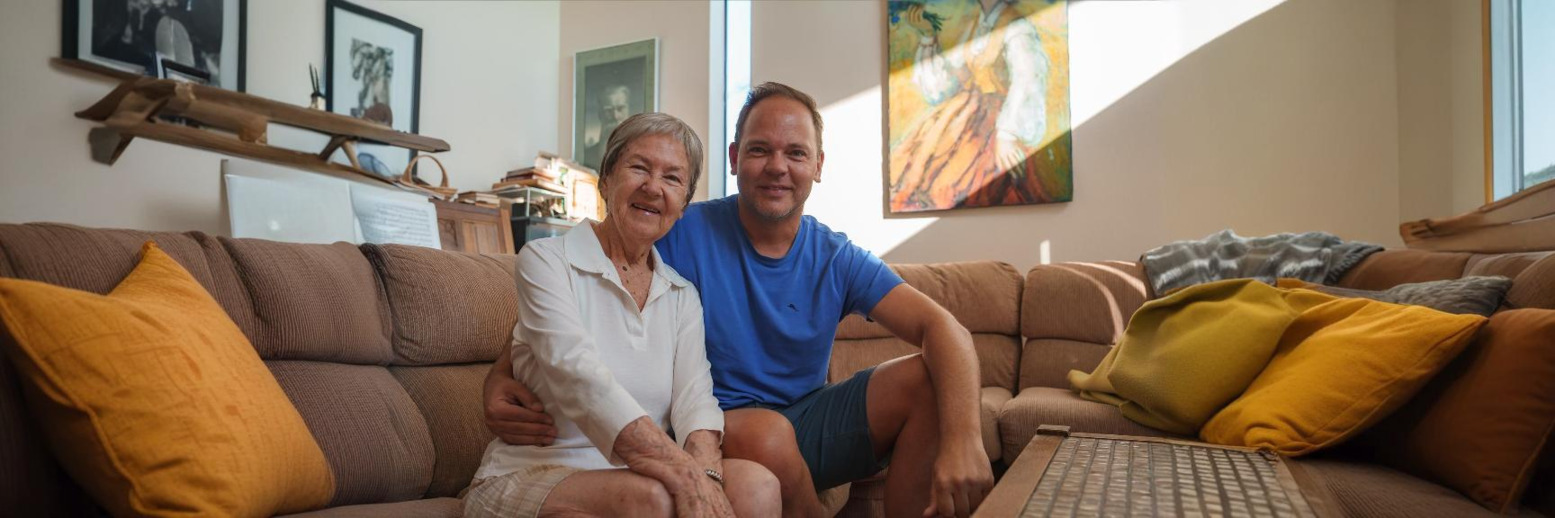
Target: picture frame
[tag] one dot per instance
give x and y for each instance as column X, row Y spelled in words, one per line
column 372, row 70
column 609, row 85
column 979, row 124
column 209, row 36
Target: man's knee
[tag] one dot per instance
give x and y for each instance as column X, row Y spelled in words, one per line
column 758, row 433
column 764, row 437
column 905, row 378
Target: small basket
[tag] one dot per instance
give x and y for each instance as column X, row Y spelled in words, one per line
column 442, row 191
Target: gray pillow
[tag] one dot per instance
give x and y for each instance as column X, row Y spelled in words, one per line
column 1467, row 296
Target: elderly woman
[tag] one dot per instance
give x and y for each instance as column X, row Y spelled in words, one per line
column 611, row 338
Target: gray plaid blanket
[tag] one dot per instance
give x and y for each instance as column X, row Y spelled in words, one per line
column 1317, row 257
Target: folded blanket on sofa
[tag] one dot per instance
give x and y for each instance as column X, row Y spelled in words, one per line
column 1317, row 257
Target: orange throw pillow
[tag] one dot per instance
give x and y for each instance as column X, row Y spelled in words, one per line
column 156, row 403
column 1480, row 425
column 1340, row 367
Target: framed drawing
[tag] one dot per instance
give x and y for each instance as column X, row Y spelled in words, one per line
column 205, row 38
column 609, row 85
column 372, row 70
column 978, row 104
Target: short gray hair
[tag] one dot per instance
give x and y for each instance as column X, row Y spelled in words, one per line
column 652, row 123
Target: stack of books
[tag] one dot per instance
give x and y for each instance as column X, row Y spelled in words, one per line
column 530, row 177
column 480, row 199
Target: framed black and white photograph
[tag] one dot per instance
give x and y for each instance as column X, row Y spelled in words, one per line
column 372, row 71
column 138, row 36
column 609, row 85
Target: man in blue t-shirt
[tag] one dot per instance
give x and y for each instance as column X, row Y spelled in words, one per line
column 774, row 284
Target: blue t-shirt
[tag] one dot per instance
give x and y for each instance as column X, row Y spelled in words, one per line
column 770, row 322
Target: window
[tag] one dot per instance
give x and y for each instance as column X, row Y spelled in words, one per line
column 730, row 75
column 1522, row 94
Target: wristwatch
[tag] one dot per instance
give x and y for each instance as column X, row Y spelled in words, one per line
column 717, row 477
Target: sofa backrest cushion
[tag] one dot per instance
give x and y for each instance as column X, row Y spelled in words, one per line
column 313, row 302
column 1047, row 361
column 997, row 357
column 1534, row 286
column 95, row 260
column 1390, row 268
column 1087, row 302
column 984, row 296
column 447, row 307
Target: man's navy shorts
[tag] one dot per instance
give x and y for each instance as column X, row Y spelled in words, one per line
column 831, row 425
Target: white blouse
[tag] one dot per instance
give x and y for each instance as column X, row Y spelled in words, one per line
column 596, row 362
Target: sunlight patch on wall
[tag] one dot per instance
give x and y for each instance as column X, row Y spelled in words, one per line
column 851, row 189
column 1105, row 67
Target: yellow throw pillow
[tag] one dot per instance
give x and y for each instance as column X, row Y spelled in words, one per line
column 156, row 403
column 1339, row 368
column 1185, row 356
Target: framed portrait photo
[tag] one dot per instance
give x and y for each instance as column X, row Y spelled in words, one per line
column 609, row 85
column 372, row 71
column 203, row 36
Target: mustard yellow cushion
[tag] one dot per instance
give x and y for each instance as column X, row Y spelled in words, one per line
column 1185, row 356
column 1339, row 368
column 156, row 403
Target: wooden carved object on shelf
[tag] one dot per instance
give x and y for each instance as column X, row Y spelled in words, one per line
column 235, row 123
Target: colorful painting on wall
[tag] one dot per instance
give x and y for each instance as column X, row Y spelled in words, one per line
column 978, row 104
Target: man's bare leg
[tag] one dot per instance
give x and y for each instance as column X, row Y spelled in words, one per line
column 767, row 438
column 902, row 411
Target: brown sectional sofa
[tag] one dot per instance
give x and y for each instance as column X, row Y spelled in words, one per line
column 1070, row 314
column 383, row 350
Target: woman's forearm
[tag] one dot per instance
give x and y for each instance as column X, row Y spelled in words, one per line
column 703, row 445
column 648, row 451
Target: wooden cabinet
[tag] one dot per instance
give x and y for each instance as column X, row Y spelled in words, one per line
column 467, row 228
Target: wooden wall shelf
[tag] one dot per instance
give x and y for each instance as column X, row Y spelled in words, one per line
column 236, row 123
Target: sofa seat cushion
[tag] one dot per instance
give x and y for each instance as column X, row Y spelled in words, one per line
column 1365, row 490
column 1037, row 406
column 372, row 433
column 429, row 508
column 449, row 397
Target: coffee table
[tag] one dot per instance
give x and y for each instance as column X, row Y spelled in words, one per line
column 1077, row 474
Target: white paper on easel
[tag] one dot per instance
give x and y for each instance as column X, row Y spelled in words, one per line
column 288, row 211
column 386, row 219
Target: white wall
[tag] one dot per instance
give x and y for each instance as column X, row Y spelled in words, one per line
column 1190, row 116
column 1468, row 106
column 1440, row 108
column 488, row 70
column 682, row 29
